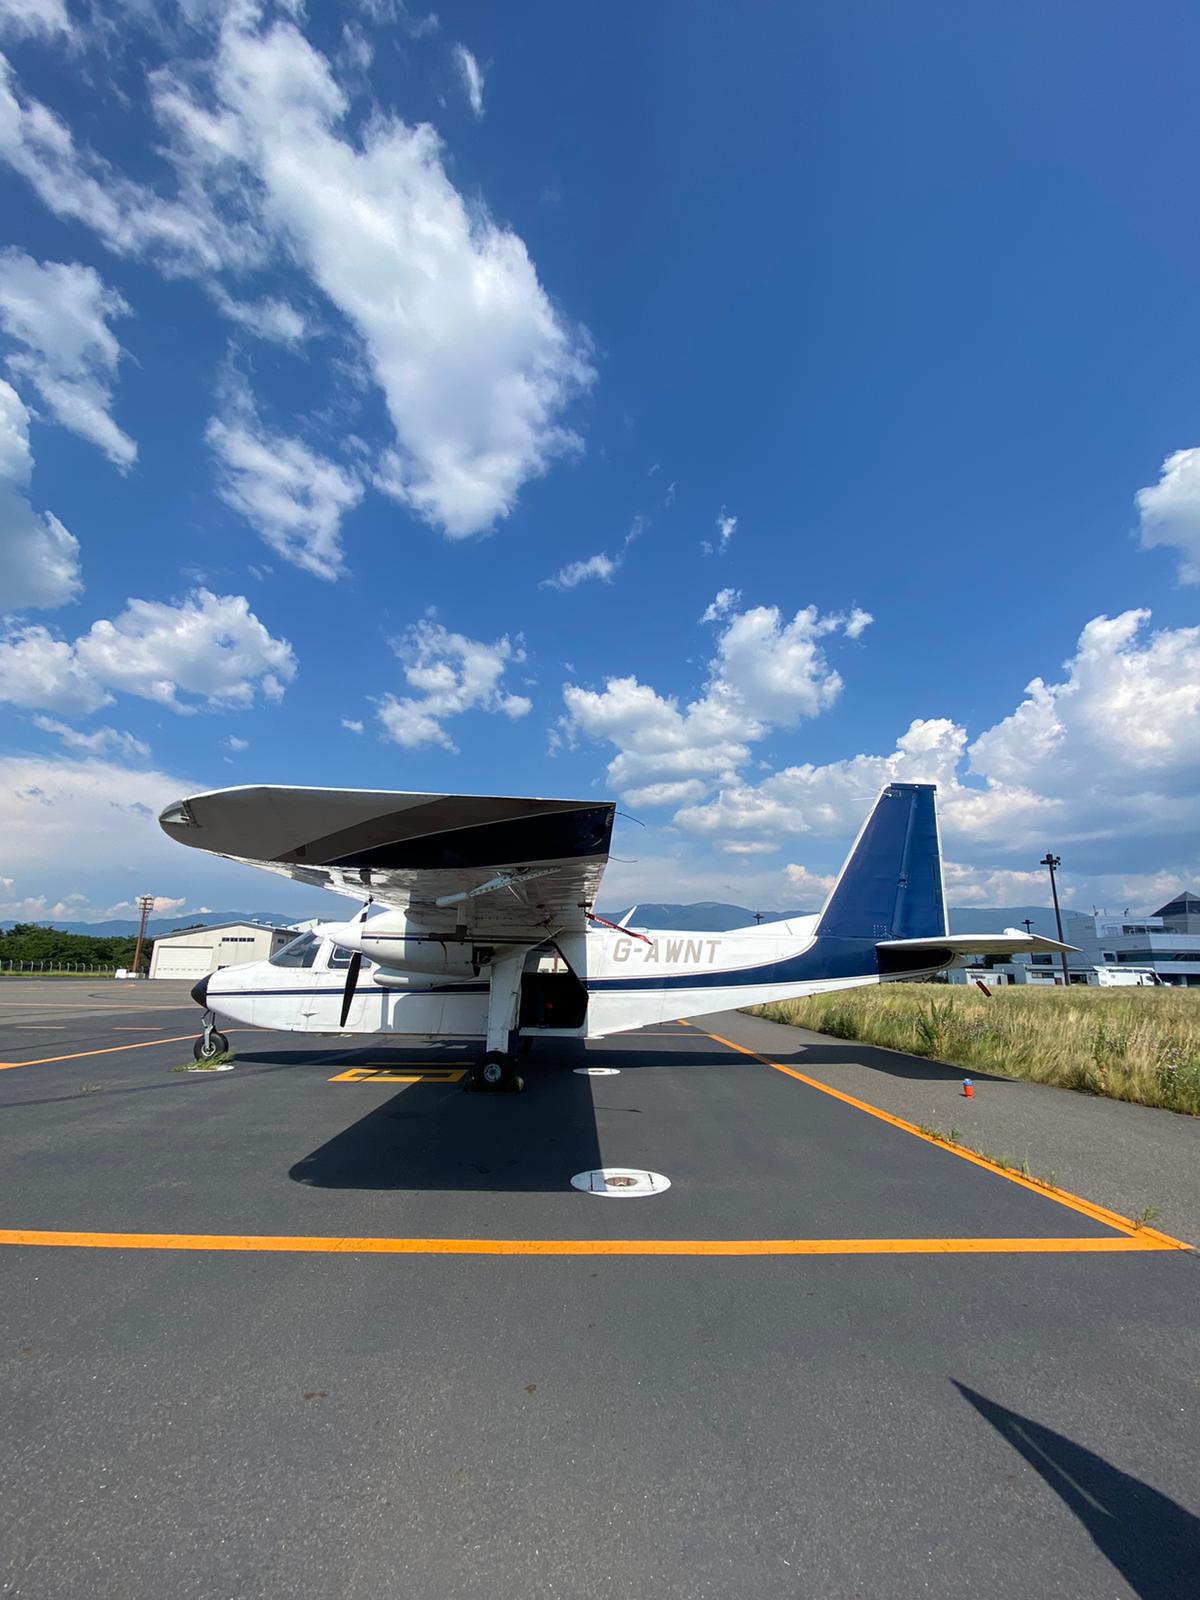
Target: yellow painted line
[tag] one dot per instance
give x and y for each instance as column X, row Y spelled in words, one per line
column 1063, row 1197
column 386, row 1075
column 40, row 1027
column 119, row 1027
column 108, row 1050
column 287, row 1244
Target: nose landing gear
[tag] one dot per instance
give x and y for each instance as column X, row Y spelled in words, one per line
column 210, row 1043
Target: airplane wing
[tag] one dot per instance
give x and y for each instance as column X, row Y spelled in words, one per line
column 1009, row 943
column 490, row 862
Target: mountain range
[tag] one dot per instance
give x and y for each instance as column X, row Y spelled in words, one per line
column 703, row 915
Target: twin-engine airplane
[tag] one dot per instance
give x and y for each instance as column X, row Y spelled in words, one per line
column 479, row 921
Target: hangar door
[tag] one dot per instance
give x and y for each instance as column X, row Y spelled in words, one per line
column 183, row 961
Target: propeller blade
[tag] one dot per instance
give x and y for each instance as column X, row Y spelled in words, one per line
column 352, row 972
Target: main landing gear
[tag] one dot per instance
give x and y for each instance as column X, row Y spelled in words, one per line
column 210, row 1044
column 497, row 1073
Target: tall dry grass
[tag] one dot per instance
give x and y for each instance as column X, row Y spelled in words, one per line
column 1130, row 1044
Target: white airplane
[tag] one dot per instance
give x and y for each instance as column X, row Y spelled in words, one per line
column 479, row 921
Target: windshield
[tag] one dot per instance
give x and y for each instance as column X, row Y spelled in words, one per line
column 302, row 952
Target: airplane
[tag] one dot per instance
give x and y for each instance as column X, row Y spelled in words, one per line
column 478, row 922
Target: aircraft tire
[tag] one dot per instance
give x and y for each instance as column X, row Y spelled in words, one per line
column 218, row 1044
column 496, row 1072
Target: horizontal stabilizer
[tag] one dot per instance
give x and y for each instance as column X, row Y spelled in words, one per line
column 1009, row 943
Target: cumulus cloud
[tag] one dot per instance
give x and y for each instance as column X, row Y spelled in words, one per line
column 270, row 317
column 1105, row 761
column 472, row 79
column 58, row 312
column 721, row 605
column 204, row 650
column 475, row 364
column 294, row 498
column 352, row 725
column 1170, row 511
column 767, row 672
column 38, row 557
column 450, row 674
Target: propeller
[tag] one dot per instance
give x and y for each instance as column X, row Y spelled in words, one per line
column 352, row 971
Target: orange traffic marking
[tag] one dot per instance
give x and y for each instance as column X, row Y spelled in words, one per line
column 1073, row 1202
column 107, row 1050
column 578, row 1247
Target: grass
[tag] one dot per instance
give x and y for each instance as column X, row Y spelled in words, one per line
column 1130, row 1044
column 211, row 1065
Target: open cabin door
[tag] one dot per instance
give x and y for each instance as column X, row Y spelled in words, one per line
column 551, row 994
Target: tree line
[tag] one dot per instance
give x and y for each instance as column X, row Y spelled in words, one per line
column 25, row 941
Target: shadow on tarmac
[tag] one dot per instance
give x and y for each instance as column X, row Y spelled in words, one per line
column 432, row 1136
column 1153, row 1542
column 891, row 1062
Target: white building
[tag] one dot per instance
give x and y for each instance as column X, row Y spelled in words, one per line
column 193, row 952
column 1166, row 944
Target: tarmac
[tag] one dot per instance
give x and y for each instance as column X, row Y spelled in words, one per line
column 325, row 1326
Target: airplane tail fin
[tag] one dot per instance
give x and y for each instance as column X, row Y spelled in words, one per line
column 891, row 884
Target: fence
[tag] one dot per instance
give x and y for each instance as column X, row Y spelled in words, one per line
column 82, row 967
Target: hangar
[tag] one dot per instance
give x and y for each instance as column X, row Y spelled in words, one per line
column 192, row 952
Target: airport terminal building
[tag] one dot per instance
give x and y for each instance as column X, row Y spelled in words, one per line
column 193, row 952
column 1166, row 944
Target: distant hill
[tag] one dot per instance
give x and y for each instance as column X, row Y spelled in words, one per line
column 701, row 916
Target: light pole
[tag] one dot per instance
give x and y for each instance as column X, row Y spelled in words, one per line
column 145, row 905
column 1052, row 863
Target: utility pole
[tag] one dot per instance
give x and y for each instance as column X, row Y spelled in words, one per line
column 1028, row 924
column 145, row 904
column 758, row 917
column 1052, row 863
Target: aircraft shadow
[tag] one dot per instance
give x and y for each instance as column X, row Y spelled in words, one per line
column 1153, row 1542
column 432, row 1136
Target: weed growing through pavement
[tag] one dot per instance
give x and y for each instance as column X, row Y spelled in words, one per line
column 211, row 1065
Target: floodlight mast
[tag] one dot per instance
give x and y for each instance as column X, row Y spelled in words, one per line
column 145, row 905
column 1052, row 863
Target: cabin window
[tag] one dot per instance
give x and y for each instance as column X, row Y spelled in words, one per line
column 301, row 952
column 341, row 958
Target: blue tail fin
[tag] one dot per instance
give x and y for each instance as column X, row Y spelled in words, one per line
column 891, row 885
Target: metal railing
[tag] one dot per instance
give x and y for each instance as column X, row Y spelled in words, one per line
column 81, row 967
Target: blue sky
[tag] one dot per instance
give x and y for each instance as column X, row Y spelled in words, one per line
column 721, row 408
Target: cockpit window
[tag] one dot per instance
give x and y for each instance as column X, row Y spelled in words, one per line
column 302, row 952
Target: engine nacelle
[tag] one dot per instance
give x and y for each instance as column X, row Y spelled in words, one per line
column 398, row 945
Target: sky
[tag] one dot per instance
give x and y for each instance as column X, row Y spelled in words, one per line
column 721, row 409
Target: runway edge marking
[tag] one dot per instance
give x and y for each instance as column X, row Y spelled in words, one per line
column 299, row 1244
column 107, row 1050
column 1143, row 1238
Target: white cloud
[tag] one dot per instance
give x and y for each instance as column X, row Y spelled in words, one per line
column 576, row 572
column 811, row 888
column 271, row 318
column 726, row 527
column 475, row 364
column 1170, row 511
column 1105, row 763
column 236, row 744
column 210, row 648
column 100, row 741
column 450, row 674
column 184, row 235
column 294, row 498
column 59, row 311
column 766, row 673
column 30, row 17
column 162, row 907
column 352, row 725
column 38, row 557
column 857, row 623
column 721, row 605
column 472, row 78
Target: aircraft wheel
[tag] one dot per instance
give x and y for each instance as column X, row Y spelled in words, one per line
column 497, row 1072
column 206, row 1047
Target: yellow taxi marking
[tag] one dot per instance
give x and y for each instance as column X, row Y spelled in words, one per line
column 119, row 1027
column 286, row 1244
column 108, row 1050
column 397, row 1074
column 1140, row 1237
column 40, row 1027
